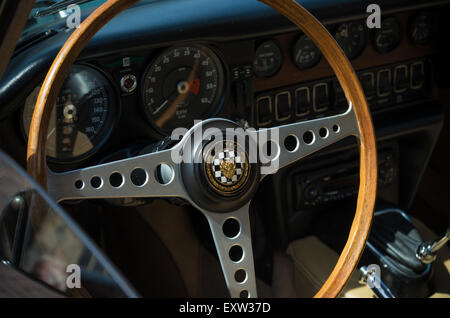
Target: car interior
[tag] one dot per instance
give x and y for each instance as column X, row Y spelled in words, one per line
column 353, row 96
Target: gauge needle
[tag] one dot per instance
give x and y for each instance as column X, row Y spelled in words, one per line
column 170, row 100
column 85, row 98
column 160, row 107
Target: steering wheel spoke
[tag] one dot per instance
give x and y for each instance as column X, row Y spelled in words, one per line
column 149, row 175
column 232, row 237
column 295, row 141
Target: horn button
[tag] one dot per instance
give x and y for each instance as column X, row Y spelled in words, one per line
column 218, row 173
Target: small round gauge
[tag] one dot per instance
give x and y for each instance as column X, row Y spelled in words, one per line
column 82, row 118
column 183, row 84
column 388, row 36
column 421, row 29
column 352, row 38
column 305, row 54
column 268, row 59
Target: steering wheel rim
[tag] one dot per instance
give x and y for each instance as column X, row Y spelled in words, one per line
column 36, row 157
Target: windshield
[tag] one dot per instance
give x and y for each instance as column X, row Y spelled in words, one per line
column 53, row 14
column 57, row 15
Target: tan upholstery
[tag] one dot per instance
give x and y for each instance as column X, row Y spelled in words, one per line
column 314, row 261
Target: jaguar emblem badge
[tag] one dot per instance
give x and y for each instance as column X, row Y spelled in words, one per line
column 226, row 167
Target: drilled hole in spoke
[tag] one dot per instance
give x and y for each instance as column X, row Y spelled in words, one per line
column 138, row 177
column 236, row 253
column 270, row 150
column 336, row 128
column 244, row 294
column 240, row 275
column 116, row 179
column 291, row 143
column 308, row 137
column 323, row 132
column 164, row 174
column 96, row 182
column 231, row 228
column 79, row 184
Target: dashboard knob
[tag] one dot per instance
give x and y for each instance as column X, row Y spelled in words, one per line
column 128, row 83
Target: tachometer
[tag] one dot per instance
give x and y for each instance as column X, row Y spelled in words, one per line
column 183, row 84
column 82, row 117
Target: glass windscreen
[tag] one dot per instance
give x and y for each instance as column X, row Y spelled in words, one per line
column 38, row 238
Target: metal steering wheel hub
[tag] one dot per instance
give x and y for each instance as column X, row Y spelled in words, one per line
column 219, row 176
column 216, row 169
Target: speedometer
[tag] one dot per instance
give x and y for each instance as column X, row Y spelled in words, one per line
column 82, row 117
column 183, row 84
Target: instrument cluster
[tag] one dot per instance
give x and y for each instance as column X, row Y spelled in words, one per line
column 172, row 87
column 176, row 86
column 353, row 37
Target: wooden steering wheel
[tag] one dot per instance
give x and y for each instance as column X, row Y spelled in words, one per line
column 187, row 180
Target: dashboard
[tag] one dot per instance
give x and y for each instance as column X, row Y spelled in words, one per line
column 260, row 82
column 136, row 82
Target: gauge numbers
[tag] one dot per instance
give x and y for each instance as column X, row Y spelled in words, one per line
column 82, row 117
column 183, row 84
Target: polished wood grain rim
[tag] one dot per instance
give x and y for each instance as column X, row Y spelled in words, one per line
column 36, row 163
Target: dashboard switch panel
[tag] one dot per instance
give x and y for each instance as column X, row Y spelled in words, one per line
column 401, row 81
column 283, row 106
column 264, row 110
column 417, row 75
column 386, row 86
column 384, row 81
column 321, row 97
column 302, row 101
column 368, row 85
